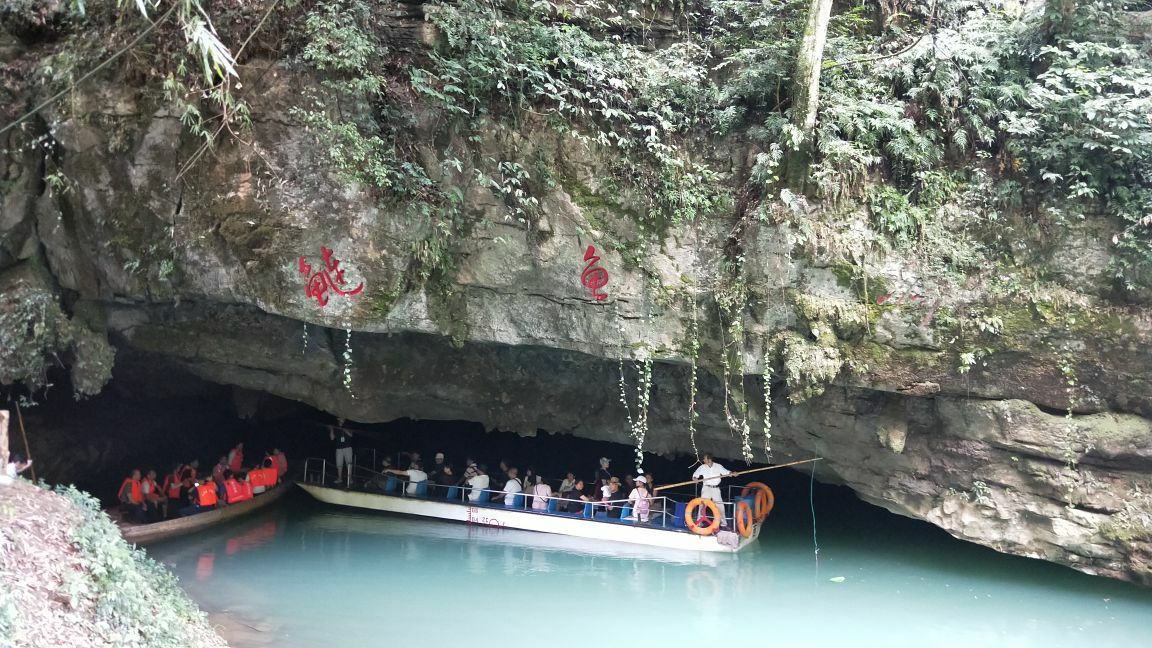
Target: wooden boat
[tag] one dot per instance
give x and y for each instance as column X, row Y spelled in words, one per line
column 450, row 504
column 148, row 533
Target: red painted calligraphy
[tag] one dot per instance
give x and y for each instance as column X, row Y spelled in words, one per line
column 594, row 277
column 329, row 278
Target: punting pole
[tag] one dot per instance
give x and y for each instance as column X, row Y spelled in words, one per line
column 27, row 450
column 734, row 474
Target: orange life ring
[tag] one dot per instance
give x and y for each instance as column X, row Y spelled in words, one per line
column 744, row 519
column 691, row 521
column 765, row 500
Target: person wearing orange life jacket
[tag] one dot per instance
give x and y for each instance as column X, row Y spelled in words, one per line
column 202, row 497
column 281, row 462
column 231, row 487
column 131, row 498
column 173, row 484
column 246, row 490
column 236, row 458
column 155, row 503
column 188, row 472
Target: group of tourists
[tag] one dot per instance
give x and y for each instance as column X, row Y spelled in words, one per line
column 187, row 491
column 606, row 492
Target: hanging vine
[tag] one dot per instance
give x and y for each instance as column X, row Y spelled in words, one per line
column 693, row 356
column 768, row 401
column 731, row 302
column 348, row 362
column 304, row 340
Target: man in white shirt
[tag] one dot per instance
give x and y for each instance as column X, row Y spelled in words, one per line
column 478, row 482
column 414, row 474
column 710, row 472
column 511, row 487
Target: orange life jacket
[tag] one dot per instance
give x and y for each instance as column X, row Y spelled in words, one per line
column 232, row 490
column 206, row 493
column 237, row 462
column 135, row 496
column 245, row 490
column 153, row 488
column 172, row 486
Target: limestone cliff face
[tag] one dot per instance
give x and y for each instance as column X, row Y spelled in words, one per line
column 1039, row 444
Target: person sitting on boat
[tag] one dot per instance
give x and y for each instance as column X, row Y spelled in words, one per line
column 603, row 475
column 612, row 498
column 528, row 481
column 131, row 497
column 478, row 483
column 576, row 498
column 281, row 463
column 188, row 473
column 154, row 499
column 641, row 500
column 173, row 485
column 711, row 472
column 511, row 488
column 202, row 497
column 567, row 485
column 415, row 474
column 231, row 488
column 236, row 458
column 437, row 466
column 541, row 493
column 445, row 478
column 471, row 469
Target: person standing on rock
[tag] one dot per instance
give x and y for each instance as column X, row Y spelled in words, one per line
column 342, row 440
column 711, row 472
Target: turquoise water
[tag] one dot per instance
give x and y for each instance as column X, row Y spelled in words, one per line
column 306, row 575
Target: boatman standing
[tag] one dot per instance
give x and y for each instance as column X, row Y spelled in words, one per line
column 711, row 472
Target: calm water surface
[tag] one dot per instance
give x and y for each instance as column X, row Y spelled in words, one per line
column 305, row 575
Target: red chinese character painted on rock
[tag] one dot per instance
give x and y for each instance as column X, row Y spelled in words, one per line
column 594, row 277
column 328, row 278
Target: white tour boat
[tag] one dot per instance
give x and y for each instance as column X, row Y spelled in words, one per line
column 681, row 527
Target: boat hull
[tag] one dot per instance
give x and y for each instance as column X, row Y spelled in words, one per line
column 142, row 534
column 495, row 516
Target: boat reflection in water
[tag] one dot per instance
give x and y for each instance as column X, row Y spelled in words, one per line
column 310, row 576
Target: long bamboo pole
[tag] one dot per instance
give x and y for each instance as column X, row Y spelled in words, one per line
column 734, row 474
column 27, row 449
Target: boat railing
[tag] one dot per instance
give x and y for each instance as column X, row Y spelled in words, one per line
column 359, row 478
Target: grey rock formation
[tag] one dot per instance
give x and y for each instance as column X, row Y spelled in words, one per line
column 204, row 271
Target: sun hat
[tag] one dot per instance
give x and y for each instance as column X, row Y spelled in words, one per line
column 605, row 460
column 641, row 480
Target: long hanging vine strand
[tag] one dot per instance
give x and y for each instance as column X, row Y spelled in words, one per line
column 304, row 340
column 768, row 401
column 348, row 362
column 734, row 349
column 693, row 356
column 643, row 398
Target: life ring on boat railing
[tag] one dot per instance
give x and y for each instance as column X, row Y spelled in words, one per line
column 765, row 500
column 694, row 524
column 744, row 519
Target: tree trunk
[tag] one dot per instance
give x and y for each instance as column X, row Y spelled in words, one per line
column 806, row 89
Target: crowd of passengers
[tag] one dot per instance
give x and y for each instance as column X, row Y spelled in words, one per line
column 606, row 492
column 187, row 491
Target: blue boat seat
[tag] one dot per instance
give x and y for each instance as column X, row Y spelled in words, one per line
column 588, row 509
column 517, row 501
column 553, row 505
column 391, row 484
column 421, row 489
column 452, row 493
column 625, row 511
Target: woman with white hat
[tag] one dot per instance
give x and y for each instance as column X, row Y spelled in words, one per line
column 640, row 500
